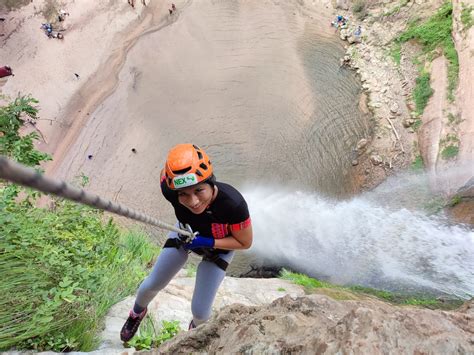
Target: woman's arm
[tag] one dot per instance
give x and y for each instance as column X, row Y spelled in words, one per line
column 239, row 239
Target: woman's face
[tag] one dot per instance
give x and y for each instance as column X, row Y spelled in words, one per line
column 196, row 198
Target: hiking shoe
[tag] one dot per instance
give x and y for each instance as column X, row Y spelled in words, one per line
column 131, row 325
column 191, row 325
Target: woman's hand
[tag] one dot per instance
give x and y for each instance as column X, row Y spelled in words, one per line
column 199, row 242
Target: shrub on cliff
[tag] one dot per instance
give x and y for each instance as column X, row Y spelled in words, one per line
column 62, row 268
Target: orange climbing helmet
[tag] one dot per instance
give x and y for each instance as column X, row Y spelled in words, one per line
column 187, row 165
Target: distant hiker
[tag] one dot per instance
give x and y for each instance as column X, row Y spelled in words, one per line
column 173, row 7
column 6, row 71
column 134, row 150
column 131, row 3
column 358, row 31
column 89, row 156
column 219, row 215
column 48, row 29
column 77, row 75
column 171, row 11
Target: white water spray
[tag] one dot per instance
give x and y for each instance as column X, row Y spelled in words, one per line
column 360, row 242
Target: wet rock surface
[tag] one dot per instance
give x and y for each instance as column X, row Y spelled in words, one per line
column 462, row 204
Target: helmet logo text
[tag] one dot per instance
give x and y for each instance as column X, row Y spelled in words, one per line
column 185, row 180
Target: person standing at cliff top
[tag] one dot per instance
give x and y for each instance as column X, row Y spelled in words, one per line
column 219, row 217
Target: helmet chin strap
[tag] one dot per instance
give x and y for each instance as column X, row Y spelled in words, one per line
column 214, row 195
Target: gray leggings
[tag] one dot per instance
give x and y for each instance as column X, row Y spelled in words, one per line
column 208, row 279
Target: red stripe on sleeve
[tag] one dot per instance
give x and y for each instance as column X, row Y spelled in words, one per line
column 241, row 225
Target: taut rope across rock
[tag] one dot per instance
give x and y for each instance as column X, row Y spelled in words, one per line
column 22, row 175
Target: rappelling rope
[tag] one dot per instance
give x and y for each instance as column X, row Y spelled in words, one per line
column 19, row 174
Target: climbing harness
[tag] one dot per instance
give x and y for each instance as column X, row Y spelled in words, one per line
column 19, row 174
column 208, row 255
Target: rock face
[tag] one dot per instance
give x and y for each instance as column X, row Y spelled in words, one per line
column 342, row 4
column 317, row 324
column 275, row 316
column 174, row 303
column 463, row 210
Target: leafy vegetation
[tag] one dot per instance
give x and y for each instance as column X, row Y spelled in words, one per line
column 418, row 123
column 422, row 300
column 434, row 34
column 413, row 300
column 20, row 148
column 466, row 16
column 454, row 120
column 191, row 270
column 62, row 268
column 301, row 279
column 147, row 336
column 417, row 164
column 450, row 145
column 456, row 199
column 449, row 152
column 422, row 92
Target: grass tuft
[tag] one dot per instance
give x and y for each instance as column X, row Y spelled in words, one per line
column 422, row 300
column 422, row 92
column 61, row 272
column 449, row 152
column 417, row 164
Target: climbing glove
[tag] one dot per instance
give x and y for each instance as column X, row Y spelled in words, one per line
column 199, row 242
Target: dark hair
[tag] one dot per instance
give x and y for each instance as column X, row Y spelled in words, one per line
column 211, row 181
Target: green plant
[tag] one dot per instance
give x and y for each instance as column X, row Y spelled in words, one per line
column 449, row 152
column 191, row 270
column 466, row 17
column 422, row 300
column 456, row 199
column 454, row 120
column 65, row 265
column 450, row 138
column 395, row 52
column 62, row 269
column 435, row 204
column 422, row 92
column 301, row 279
column 12, row 144
column 436, row 33
column 418, row 123
column 147, row 336
column 281, row 289
column 417, row 164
